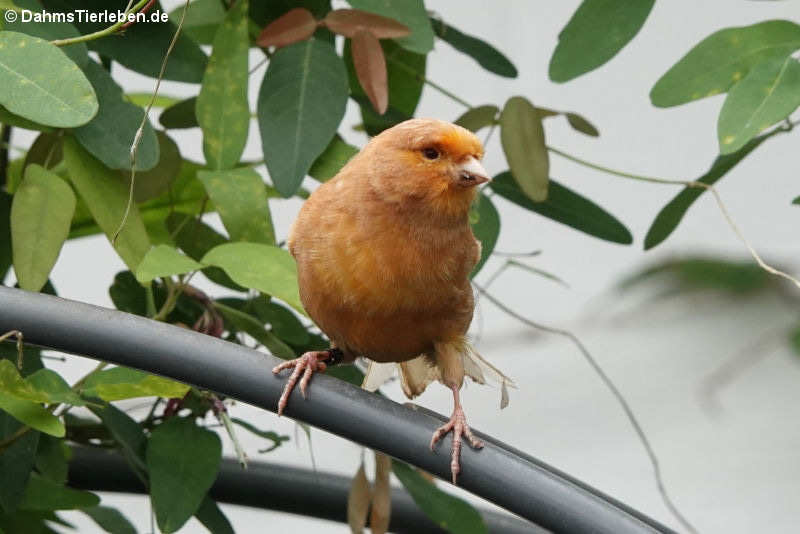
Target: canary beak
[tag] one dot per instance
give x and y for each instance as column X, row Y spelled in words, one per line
column 472, row 173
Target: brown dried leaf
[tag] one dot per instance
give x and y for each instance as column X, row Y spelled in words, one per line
column 370, row 67
column 295, row 25
column 358, row 501
column 348, row 22
column 381, row 511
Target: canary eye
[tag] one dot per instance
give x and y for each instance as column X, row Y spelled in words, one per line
column 430, row 153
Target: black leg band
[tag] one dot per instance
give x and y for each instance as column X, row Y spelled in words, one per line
column 335, row 356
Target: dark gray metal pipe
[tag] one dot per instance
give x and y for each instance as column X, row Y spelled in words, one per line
column 498, row 473
column 276, row 487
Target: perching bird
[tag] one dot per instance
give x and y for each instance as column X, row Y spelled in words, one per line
column 384, row 251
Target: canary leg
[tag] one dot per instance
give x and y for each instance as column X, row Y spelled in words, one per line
column 304, row 367
column 458, row 425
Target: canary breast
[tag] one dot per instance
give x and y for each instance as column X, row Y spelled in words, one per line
column 378, row 282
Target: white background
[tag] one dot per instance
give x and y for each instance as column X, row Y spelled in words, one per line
column 733, row 471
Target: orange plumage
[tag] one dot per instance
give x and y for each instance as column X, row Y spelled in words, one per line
column 384, row 251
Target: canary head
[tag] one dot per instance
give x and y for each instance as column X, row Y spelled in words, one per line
column 427, row 161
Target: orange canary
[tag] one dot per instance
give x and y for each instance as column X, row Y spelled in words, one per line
column 384, row 251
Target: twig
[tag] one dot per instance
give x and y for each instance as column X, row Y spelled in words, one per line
column 140, row 131
column 696, row 185
column 101, row 33
column 614, row 390
column 20, row 353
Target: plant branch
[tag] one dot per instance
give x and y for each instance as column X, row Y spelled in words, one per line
column 104, row 32
column 140, row 131
column 637, row 427
column 696, row 185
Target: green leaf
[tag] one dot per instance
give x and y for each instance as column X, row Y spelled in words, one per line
column 162, row 261
column 31, row 356
column 412, row 13
column 180, row 115
column 241, row 202
column 5, row 234
column 284, row 323
column 769, row 93
column 486, row 229
column 522, row 137
column 274, row 437
column 150, row 184
column 180, row 475
column 50, row 30
column 722, row 59
column 143, row 45
column 127, row 294
column 300, row 105
column 212, row 517
column 222, row 108
column 252, row 326
column 796, row 201
column 202, row 20
column 485, row 54
column 40, row 218
column 479, row 117
column 32, row 414
column 567, row 207
column 268, row 269
column 331, row 161
column 120, row 383
column 449, row 512
column 196, row 238
column 11, row 383
column 110, row 519
column 582, row 125
column 127, row 433
column 43, row 494
column 46, row 151
column 110, row 134
column 671, row 215
column 106, row 197
column 597, row 31
column 16, row 462
column 52, row 458
column 10, row 119
column 704, row 273
column 348, row 373
column 42, row 84
column 55, row 388
column 143, row 99
column 405, row 77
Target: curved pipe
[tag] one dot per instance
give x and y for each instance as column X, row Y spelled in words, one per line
column 275, row 487
column 497, row 473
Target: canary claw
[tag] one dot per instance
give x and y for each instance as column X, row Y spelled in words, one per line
column 304, row 366
column 458, row 425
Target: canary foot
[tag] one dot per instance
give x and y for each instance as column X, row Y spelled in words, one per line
column 458, row 425
column 305, row 366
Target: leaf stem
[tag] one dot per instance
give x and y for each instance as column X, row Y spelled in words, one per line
column 608, row 170
column 100, row 33
column 452, row 96
column 145, row 115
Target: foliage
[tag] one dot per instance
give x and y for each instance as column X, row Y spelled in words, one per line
column 77, row 177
